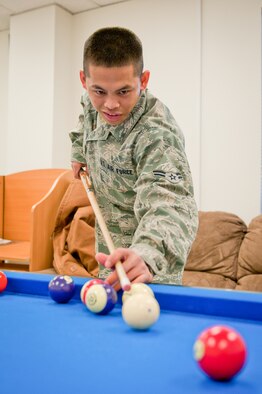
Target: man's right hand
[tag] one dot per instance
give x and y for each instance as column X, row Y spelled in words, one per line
column 77, row 167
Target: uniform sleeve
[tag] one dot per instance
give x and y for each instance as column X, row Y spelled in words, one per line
column 77, row 139
column 78, row 135
column 165, row 207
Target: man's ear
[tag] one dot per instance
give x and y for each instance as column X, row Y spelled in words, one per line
column 144, row 79
column 83, row 78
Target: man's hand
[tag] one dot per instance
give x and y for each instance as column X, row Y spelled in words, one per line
column 77, row 167
column 134, row 266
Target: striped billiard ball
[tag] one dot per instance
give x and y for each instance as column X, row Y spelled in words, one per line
column 87, row 285
column 100, row 298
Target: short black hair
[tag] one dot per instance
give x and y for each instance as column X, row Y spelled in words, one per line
column 113, row 47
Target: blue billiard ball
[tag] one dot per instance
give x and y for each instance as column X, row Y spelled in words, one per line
column 61, row 288
column 100, row 298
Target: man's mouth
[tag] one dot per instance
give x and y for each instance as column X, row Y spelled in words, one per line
column 112, row 117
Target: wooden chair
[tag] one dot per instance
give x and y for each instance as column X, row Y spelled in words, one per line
column 29, row 202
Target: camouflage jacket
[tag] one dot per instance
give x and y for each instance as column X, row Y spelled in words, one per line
column 143, row 184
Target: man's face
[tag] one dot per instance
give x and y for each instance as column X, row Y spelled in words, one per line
column 114, row 91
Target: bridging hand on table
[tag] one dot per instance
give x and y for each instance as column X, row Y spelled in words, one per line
column 134, row 266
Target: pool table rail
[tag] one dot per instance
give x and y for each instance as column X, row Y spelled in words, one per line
column 211, row 302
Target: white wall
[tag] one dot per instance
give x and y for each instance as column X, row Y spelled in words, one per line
column 39, row 89
column 231, row 106
column 30, row 90
column 4, row 51
column 63, row 116
column 205, row 60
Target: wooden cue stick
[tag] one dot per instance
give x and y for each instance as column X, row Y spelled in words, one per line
column 124, row 281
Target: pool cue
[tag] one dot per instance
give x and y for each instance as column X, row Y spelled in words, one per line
column 124, row 281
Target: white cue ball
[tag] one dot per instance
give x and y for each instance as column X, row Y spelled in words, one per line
column 137, row 288
column 140, row 311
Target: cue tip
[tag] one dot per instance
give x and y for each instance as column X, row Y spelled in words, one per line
column 125, row 284
column 126, row 287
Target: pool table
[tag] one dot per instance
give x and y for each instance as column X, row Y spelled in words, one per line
column 63, row 348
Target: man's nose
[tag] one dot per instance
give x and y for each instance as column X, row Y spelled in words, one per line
column 111, row 103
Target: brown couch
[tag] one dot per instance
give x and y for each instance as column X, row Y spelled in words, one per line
column 226, row 253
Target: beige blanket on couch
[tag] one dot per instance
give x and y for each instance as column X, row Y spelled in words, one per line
column 74, row 234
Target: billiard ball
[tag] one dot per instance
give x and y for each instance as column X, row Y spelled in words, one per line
column 3, row 281
column 100, row 298
column 87, row 285
column 137, row 288
column 61, row 288
column 220, row 352
column 140, row 311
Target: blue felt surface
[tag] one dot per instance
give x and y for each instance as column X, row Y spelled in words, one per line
column 55, row 348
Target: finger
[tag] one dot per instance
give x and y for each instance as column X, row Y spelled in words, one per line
column 101, row 258
column 76, row 173
column 143, row 278
column 137, row 274
column 113, row 281
column 112, row 278
column 116, row 285
column 120, row 254
column 134, row 274
column 140, row 273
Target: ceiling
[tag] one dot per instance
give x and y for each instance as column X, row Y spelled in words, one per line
column 13, row 7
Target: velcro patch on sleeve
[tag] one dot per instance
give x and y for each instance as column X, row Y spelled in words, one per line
column 172, row 177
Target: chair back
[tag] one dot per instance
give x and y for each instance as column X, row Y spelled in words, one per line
column 1, row 206
column 20, row 192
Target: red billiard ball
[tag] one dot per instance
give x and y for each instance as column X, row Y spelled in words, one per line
column 220, row 352
column 3, row 281
column 87, row 286
column 61, row 288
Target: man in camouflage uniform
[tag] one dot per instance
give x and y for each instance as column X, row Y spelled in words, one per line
column 134, row 152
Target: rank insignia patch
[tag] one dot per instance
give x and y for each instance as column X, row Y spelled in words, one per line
column 173, row 177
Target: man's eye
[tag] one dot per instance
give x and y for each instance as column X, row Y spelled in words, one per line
column 123, row 92
column 99, row 92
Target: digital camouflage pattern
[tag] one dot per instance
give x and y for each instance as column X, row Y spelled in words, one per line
column 142, row 183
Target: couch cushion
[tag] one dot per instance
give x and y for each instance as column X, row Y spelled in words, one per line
column 216, row 247
column 250, row 283
column 250, row 254
column 205, row 279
